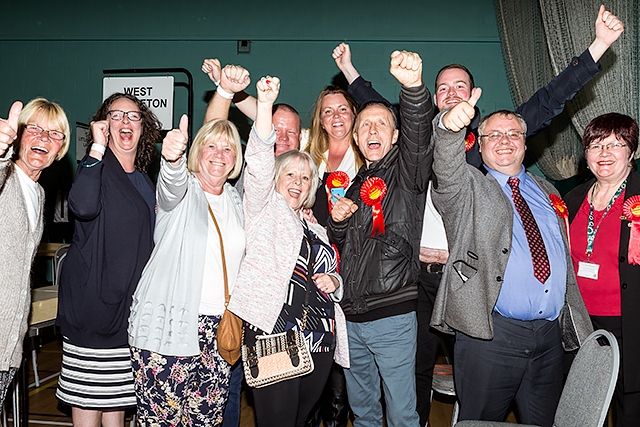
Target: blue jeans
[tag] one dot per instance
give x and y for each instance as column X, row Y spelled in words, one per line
column 231, row 417
column 384, row 348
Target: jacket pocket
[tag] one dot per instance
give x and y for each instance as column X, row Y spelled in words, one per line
column 465, row 269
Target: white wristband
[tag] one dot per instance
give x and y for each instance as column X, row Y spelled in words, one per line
column 223, row 93
column 98, row 148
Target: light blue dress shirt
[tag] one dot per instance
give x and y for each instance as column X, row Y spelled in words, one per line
column 522, row 296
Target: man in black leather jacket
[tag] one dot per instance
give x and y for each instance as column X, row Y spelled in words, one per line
column 377, row 228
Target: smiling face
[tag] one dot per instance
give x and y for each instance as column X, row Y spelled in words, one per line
column 294, row 182
column 609, row 165
column 217, row 160
column 125, row 133
column 504, row 155
column 337, row 116
column 452, row 87
column 287, row 127
column 375, row 132
column 37, row 152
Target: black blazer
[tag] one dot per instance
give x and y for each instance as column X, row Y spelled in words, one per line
column 629, row 284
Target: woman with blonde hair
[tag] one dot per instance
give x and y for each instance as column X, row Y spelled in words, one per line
column 331, row 144
column 180, row 377
column 42, row 131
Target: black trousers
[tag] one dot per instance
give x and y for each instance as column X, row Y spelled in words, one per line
column 428, row 340
column 288, row 403
column 523, row 361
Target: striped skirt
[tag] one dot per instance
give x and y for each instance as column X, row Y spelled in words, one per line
column 98, row 379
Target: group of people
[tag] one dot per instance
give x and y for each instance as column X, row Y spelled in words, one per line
column 408, row 224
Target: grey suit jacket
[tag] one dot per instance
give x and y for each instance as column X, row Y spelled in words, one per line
column 478, row 218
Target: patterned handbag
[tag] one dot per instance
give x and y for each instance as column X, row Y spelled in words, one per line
column 279, row 357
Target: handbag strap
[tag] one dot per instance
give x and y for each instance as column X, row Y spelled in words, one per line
column 227, row 297
column 312, row 260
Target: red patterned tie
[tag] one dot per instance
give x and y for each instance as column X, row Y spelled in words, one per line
column 541, row 268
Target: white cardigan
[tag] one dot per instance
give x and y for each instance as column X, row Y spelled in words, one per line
column 273, row 233
column 164, row 313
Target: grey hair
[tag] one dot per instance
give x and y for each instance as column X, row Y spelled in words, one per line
column 286, row 158
column 506, row 113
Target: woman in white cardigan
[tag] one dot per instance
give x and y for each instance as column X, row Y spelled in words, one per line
column 180, row 378
column 271, row 287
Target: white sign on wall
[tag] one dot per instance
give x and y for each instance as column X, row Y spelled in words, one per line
column 156, row 92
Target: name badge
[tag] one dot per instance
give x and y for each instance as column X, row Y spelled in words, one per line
column 588, row 270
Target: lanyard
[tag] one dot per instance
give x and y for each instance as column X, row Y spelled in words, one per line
column 591, row 231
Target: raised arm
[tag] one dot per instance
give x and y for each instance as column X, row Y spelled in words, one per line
column 84, row 197
column 231, row 80
column 416, row 113
column 549, row 101
column 260, row 162
column 8, row 134
column 608, row 29
column 342, row 55
column 173, row 177
column 449, row 164
column 360, row 89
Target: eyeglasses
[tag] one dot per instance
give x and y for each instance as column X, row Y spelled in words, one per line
column 117, row 115
column 512, row 135
column 37, row 131
column 612, row 146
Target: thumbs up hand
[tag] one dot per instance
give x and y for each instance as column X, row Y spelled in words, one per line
column 9, row 127
column 175, row 143
column 461, row 115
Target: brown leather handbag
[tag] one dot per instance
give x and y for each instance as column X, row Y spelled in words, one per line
column 229, row 333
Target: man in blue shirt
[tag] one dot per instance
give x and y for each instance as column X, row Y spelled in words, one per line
column 508, row 284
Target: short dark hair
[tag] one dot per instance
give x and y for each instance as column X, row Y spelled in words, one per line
column 459, row 67
column 621, row 125
column 288, row 108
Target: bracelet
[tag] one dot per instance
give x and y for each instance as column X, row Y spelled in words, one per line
column 98, row 148
column 85, row 165
column 223, row 93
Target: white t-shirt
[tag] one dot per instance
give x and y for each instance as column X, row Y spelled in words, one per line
column 233, row 238
column 31, row 196
column 433, row 234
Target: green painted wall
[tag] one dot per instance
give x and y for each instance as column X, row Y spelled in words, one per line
column 59, row 49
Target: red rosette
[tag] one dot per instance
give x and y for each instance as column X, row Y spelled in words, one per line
column 563, row 212
column 631, row 211
column 469, row 141
column 335, row 248
column 631, row 208
column 337, row 179
column 372, row 192
column 559, row 205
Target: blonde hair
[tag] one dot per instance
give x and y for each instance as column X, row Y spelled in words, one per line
column 213, row 131
column 52, row 113
column 318, row 137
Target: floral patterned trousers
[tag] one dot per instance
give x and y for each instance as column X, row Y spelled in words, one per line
column 182, row 391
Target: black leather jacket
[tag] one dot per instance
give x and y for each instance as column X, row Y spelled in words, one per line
column 382, row 271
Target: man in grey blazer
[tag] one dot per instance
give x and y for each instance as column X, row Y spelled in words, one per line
column 509, row 292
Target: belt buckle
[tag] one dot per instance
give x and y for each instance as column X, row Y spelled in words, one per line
column 433, row 268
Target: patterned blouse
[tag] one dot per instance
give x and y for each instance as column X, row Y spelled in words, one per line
column 320, row 327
